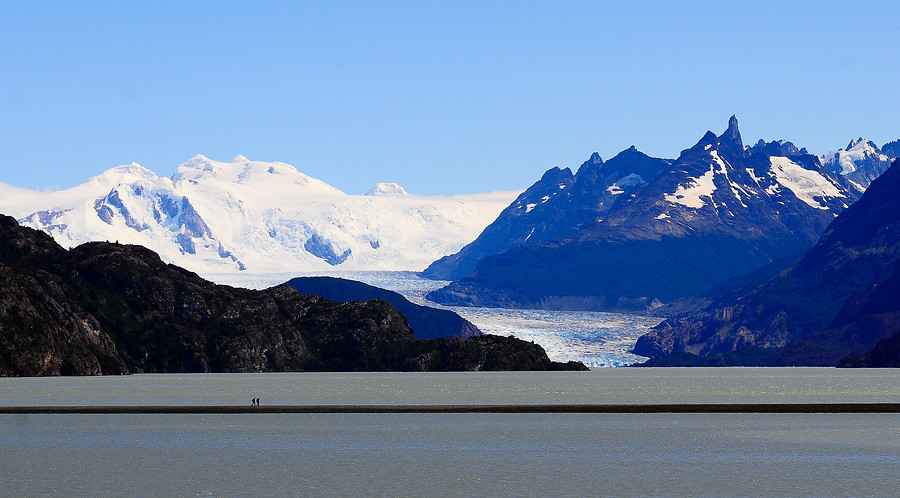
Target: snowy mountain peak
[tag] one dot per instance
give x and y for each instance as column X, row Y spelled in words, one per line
column 194, row 167
column 127, row 173
column 860, row 143
column 261, row 217
column 386, row 189
column 860, row 153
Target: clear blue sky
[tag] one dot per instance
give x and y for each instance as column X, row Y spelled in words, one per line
column 441, row 97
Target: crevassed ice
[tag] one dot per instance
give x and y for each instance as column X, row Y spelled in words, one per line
column 805, row 184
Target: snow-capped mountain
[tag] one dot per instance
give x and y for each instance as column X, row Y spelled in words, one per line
column 263, row 217
column 860, row 163
column 840, row 299
column 558, row 205
column 639, row 230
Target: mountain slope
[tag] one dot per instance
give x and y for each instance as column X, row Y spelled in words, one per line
column 427, row 323
column 840, row 299
column 261, row 217
column 108, row 308
column 558, row 205
column 720, row 210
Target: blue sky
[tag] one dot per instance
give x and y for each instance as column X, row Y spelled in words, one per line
column 441, row 97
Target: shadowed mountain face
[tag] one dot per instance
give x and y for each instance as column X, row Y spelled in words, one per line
column 636, row 231
column 558, row 205
column 427, row 323
column 104, row 308
column 840, row 299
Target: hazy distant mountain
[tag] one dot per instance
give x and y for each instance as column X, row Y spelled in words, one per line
column 891, row 149
column 840, row 299
column 859, row 164
column 637, row 231
column 215, row 217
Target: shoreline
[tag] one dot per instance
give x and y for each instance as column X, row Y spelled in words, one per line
column 470, row 408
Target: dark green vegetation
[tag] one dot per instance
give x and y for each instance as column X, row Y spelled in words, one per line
column 835, row 305
column 104, row 308
column 427, row 323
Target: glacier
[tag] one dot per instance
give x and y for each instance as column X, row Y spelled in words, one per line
column 596, row 339
column 255, row 216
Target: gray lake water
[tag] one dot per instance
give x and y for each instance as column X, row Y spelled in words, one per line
column 455, row 454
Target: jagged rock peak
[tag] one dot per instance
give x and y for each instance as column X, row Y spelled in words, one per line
column 709, row 138
column 596, row 159
column 733, row 135
column 777, row 148
column 891, row 149
column 557, row 174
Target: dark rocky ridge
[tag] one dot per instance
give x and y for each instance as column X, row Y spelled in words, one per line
column 840, row 299
column 558, row 205
column 885, row 354
column 618, row 237
column 426, row 322
column 892, row 149
column 104, row 308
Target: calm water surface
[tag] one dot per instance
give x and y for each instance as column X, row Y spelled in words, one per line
column 455, row 454
column 611, row 385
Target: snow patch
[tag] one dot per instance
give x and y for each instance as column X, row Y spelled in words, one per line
column 752, row 174
column 626, row 181
column 723, row 170
column 529, row 234
column 692, row 194
column 805, row 184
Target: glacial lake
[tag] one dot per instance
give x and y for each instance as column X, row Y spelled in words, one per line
column 455, row 454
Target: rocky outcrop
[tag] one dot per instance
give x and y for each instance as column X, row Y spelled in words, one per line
column 885, row 354
column 426, row 322
column 106, row 308
column 840, row 299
